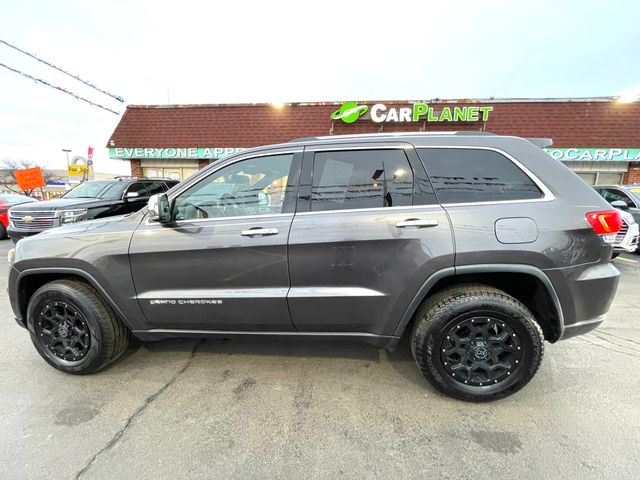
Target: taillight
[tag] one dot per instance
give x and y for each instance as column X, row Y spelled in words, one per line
column 606, row 224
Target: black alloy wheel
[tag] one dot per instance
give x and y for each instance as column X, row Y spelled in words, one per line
column 63, row 330
column 73, row 328
column 481, row 351
column 476, row 343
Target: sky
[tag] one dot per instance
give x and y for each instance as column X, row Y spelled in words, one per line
column 155, row 52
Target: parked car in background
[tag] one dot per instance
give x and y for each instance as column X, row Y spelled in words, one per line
column 625, row 198
column 87, row 201
column 629, row 194
column 627, row 238
column 8, row 200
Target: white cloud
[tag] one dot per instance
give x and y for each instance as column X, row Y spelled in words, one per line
column 209, row 52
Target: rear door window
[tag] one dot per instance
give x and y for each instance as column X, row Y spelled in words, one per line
column 348, row 179
column 154, row 188
column 472, row 175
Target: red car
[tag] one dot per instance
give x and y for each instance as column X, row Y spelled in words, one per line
column 8, row 200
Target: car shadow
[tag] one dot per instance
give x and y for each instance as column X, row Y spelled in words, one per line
column 400, row 359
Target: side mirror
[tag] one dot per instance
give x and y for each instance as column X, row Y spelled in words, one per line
column 620, row 204
column 131, row 195
column 158, row 207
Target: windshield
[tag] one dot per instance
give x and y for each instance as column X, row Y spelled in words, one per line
column 97, row 189
column 635, row 193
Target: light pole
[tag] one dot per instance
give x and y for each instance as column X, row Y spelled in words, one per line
column 67, row 151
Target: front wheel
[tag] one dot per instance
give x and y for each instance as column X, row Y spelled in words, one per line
column 73, row 329
column 476, row 343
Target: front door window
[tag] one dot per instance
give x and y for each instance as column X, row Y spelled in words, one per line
column 250, row 187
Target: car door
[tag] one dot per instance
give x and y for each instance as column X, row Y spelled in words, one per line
column 221, row 264
column 367, row 233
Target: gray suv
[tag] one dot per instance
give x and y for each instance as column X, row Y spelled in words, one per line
column 475, row 246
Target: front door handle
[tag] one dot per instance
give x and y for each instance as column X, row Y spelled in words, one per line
column 259, row 232
column 417, row 223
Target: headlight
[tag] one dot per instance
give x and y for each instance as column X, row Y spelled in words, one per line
column 69, row 216
column 11, row 255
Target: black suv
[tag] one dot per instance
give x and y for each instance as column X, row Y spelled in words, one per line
column 89, row 200
column 477, row 247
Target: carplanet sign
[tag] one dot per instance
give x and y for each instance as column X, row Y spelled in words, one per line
column 595, row 154
column 349, row 112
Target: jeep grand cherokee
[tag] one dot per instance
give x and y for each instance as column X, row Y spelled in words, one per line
column 478, row 247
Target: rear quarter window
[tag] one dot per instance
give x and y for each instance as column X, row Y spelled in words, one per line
column 461, row 175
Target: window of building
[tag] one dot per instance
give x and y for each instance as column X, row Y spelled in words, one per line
column 361, row 179
column 472, row 175
column 250, row 187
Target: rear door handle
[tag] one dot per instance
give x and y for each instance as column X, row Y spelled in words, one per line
column 417, row 223
column 259, row 232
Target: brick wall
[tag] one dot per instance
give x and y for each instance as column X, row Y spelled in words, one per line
column 571, row 123
column 633, row 174
column 136, row 168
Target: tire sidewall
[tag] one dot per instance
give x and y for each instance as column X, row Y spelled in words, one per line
column 495, row 308
column 95, row 355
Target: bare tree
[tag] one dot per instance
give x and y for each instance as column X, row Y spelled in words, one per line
column 8, row 175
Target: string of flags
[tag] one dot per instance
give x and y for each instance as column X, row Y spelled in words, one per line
column 75, row 77
column 62, row 89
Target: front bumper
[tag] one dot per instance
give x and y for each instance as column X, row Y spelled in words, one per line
column 16, row 234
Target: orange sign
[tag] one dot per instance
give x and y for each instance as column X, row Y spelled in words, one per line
column 29, row 178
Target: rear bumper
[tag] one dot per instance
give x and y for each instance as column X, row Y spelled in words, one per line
column 585, row 293
column 580, row 328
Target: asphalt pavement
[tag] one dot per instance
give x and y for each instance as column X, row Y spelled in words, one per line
column 265, row 408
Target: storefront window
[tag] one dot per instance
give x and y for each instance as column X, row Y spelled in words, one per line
column 173, row 173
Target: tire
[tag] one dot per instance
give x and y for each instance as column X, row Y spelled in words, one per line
column 83, row 342
column 3, row 231
column 482, row 334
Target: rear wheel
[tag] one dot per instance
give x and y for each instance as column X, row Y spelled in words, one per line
column 476, row 343
column 73, row 329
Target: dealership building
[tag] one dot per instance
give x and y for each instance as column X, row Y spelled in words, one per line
column 598, row 138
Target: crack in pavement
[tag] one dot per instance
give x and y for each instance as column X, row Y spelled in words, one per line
column 621, row 338
column 615, row 343
column 148, row 401
column 595, row 344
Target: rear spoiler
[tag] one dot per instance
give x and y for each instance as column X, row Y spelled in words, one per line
column 540, row 142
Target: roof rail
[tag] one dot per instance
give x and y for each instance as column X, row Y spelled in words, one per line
column 391, row 134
